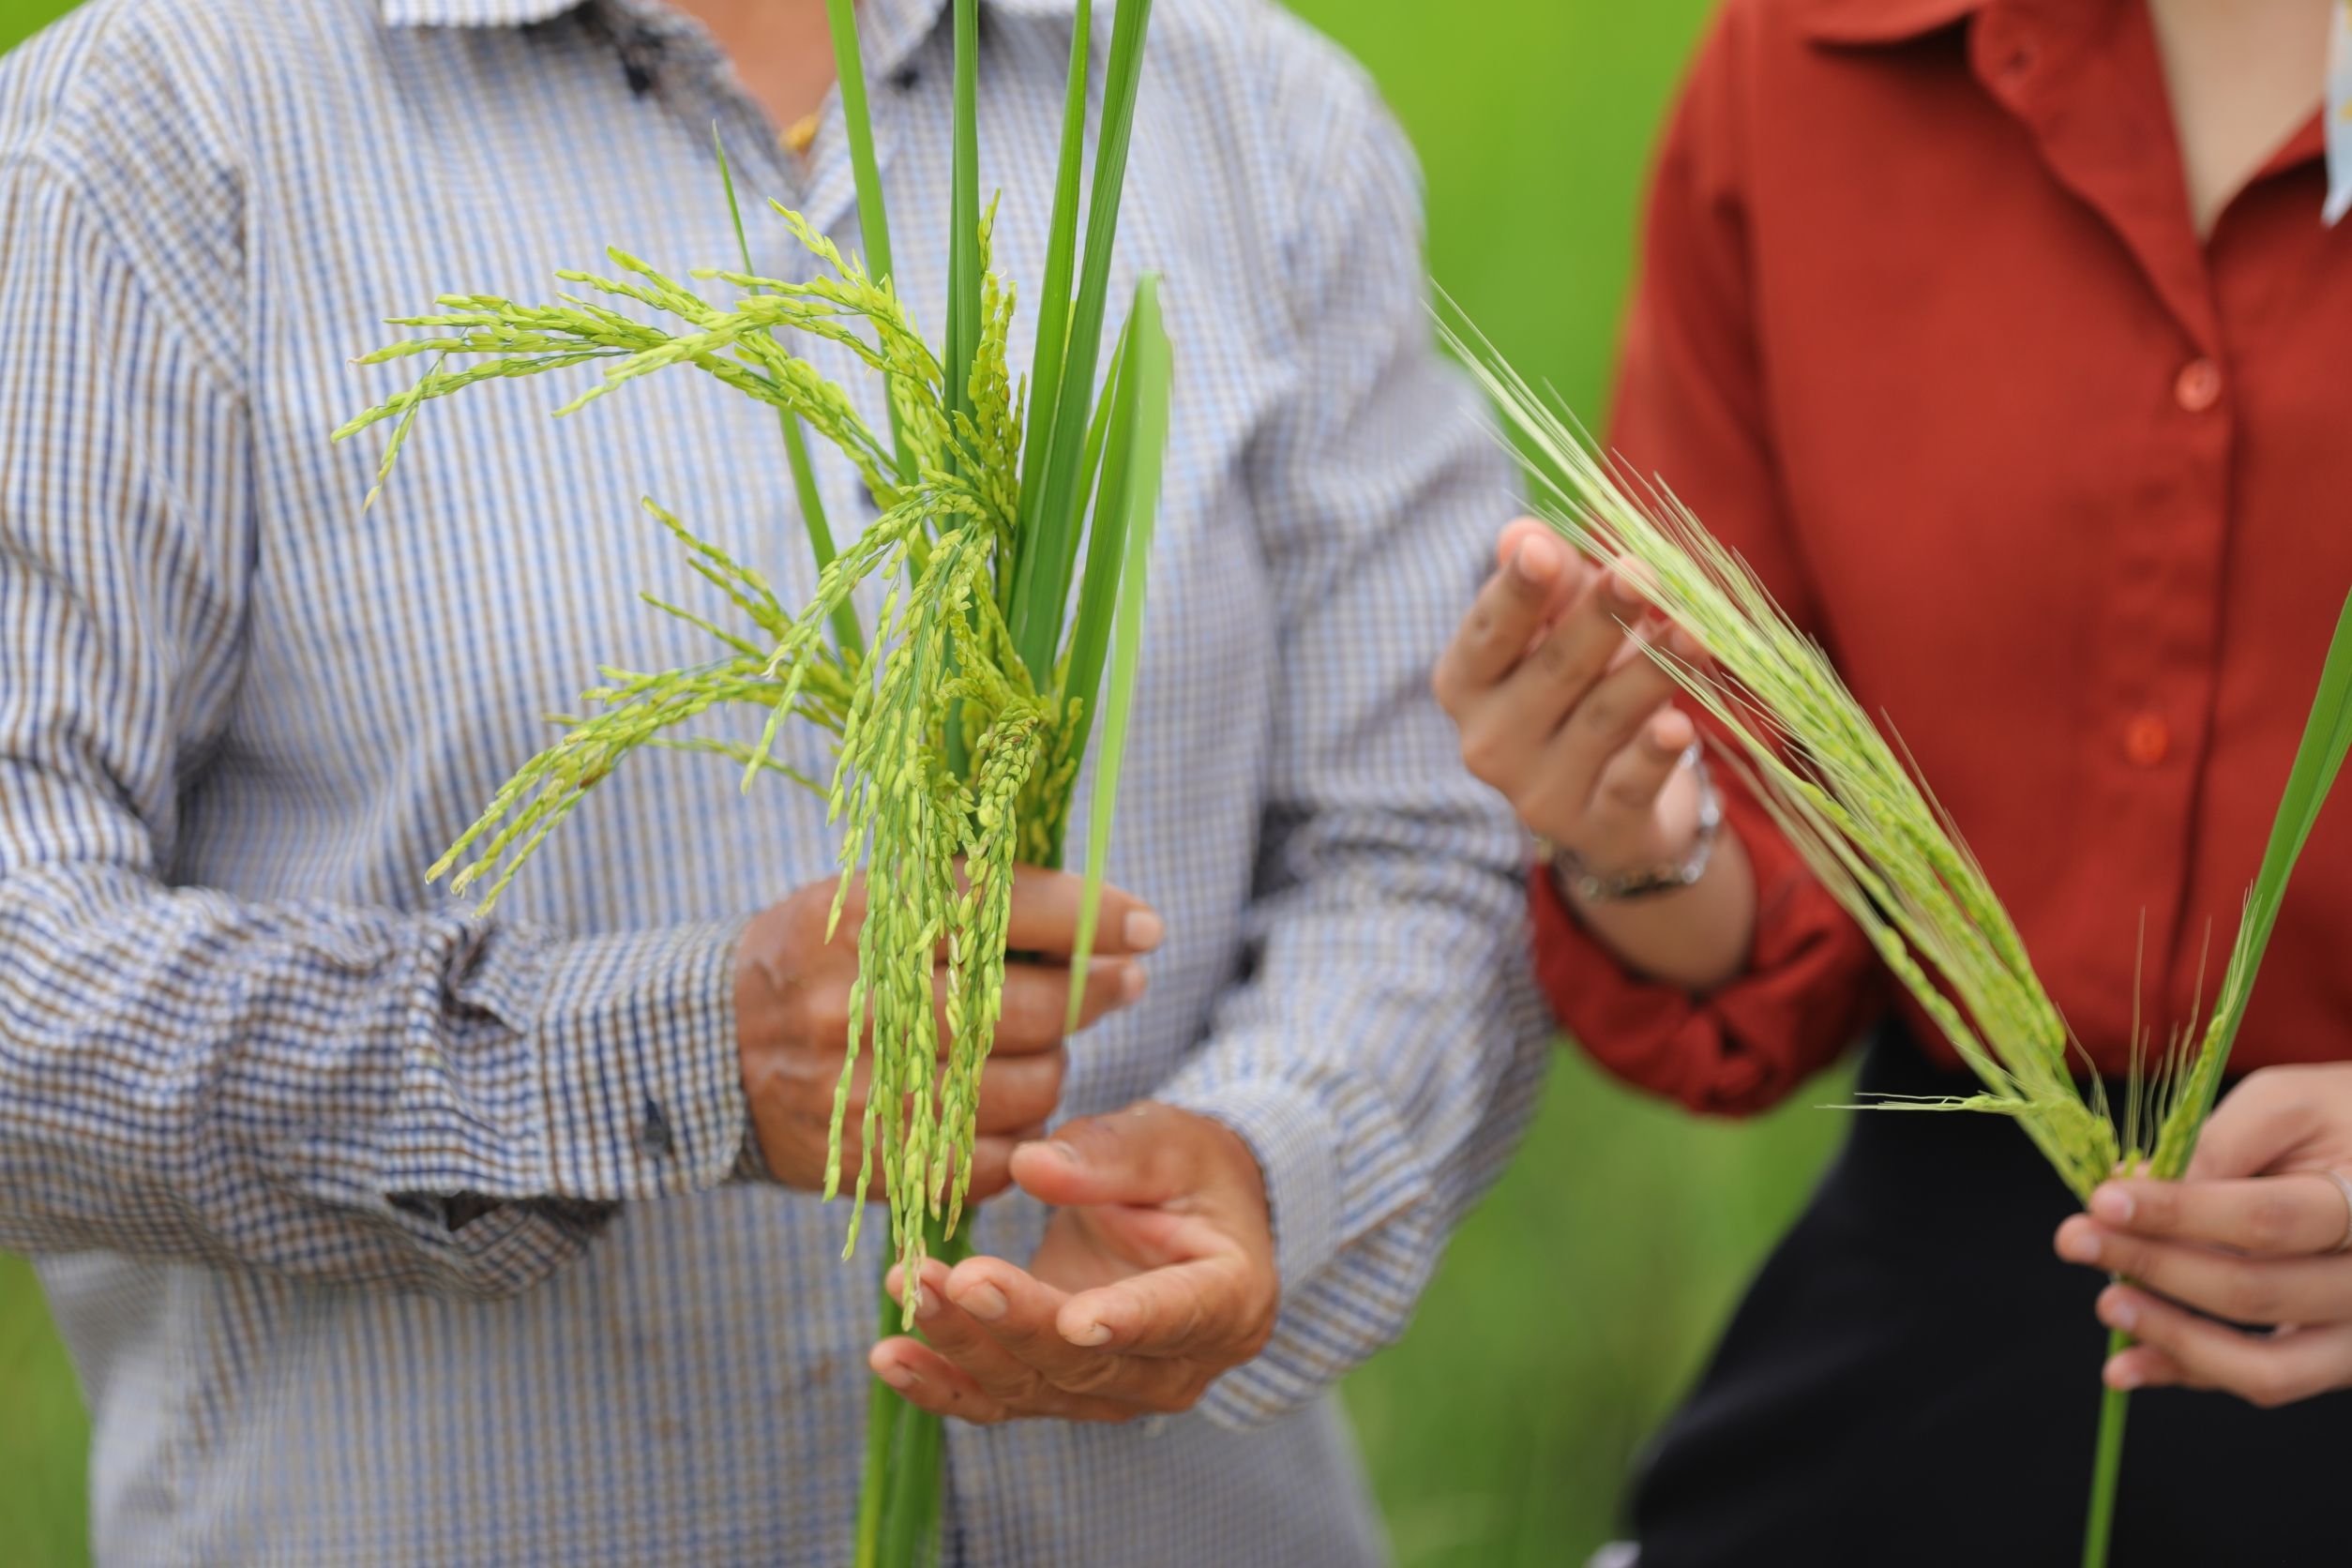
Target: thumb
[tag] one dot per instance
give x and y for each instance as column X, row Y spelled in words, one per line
column 2259, row 1127
column 1167, row 1311
column 1143, row 1156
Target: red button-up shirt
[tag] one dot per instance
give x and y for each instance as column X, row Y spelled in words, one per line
column 1925, row 330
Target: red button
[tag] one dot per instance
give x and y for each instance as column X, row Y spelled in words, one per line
column 2198, row 386
column 2147, row 740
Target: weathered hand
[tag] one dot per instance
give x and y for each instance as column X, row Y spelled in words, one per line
column 792, row 1012
column 1155, row 1275
column 2254, row 1235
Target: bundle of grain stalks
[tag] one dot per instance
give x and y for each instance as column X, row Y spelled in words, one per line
column 961, row 721
column 1872, row 832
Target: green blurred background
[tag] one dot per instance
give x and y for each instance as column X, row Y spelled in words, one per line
column 1579, row 1301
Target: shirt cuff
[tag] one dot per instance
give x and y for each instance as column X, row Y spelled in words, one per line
column 1294, row 1142
column 632, row 1042
column 1809, row 985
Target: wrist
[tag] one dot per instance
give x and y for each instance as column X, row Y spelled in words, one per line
column 1694, row 940
column 1288, row 1142
column 634, row 1037
column 1228, row 1151
column 1584, row 881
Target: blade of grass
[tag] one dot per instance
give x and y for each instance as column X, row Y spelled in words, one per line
column 1041, row 590
column 2318, row 759
column 1106, row 542
column 1053, row 302
column 846, row 630
column 1150, row 372
column 963, row 226
column 873, row 215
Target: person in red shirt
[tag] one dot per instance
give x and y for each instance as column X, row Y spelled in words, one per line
column 2005, row 340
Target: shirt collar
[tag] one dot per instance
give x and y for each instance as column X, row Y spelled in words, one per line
column 473, row 13
column 892, row 29
column 1879, row 21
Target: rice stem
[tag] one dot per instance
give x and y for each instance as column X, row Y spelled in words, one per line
column 2107, row 1462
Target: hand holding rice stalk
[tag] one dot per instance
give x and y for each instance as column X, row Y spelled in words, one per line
column 960, row 725
column 1875, row 837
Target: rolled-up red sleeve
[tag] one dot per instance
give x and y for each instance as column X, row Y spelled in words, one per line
column 1810, row 986
column 1692, row 408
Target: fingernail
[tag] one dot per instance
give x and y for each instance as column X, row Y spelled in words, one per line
column 1091, row 1334
column 984, row 1302
column 900, row 1378
column 2119, row 1312
column 926, row 1305
column 2078, row 1243
column 1144, row 930
column 2113, row 1204
column 1132, row 984
column 1517, row 564
column 2125, row 1377
column 1066, row 1153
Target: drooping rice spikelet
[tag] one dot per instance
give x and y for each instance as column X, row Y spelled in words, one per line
column 1834, row 782
column 1861, row 818
column 949, row 764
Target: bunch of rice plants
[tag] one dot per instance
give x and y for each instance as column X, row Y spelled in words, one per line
column 1867, row 825
column 960, row 722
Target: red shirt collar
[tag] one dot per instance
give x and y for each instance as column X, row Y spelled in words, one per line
column 1874, row 22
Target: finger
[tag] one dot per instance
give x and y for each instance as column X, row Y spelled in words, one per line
column 1045, row 917
column 2288, row 1215
column 956, row 1335
column 2141, row 1365
column 2237, row 1289
column 1530, row 580
column 991, row 1168
column 923, row 1378
column 1017, row 1091
column 1625, row 796
column 1037, row 1000
column 1571, row 658
column 1518, row 532
column 1024, row 1315
column 2259, row 1126
column 1203, row 1308
column 2266, row 1369
column 1617, row 708
column 1016, row 1312
column 1144, row 1156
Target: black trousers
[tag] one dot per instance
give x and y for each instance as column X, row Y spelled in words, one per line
column 1914, row 1379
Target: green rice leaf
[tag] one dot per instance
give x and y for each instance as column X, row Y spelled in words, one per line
column 963, row 225
column 1042, row 586
column 1149, row 372
column 1053, row 301
column 2318, row 759
column 1110, row 444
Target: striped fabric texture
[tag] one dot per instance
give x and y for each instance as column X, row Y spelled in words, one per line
column 245, row 1053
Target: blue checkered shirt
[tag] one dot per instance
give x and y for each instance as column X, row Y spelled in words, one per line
column 244, row 1049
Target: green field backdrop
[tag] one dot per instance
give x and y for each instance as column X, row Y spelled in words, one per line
column 1577, row 1302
